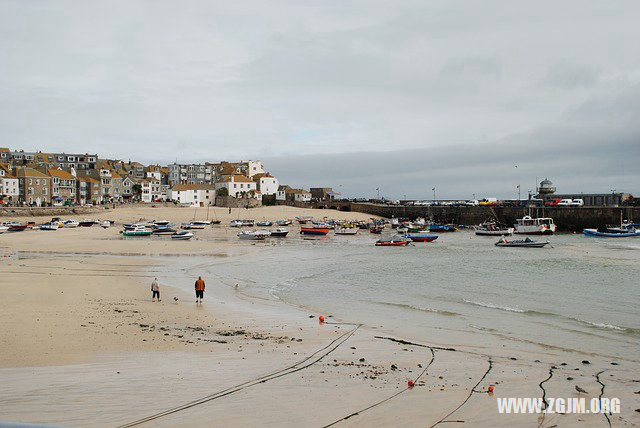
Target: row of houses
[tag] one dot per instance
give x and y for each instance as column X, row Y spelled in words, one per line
column 40, row 179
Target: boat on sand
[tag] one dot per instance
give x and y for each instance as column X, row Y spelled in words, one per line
column 525, row 243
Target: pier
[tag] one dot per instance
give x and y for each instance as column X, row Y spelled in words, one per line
column 566, row 218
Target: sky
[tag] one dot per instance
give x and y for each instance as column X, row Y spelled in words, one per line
column 472, row 98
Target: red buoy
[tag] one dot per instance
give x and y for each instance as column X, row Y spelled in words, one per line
column 321, row 318
column 490, row 388
column 410, row 383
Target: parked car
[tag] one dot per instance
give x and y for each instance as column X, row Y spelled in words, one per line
column 565, row 203
column 552, row 203
column 577, row 203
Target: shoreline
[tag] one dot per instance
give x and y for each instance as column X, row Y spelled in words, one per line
column 180, row 372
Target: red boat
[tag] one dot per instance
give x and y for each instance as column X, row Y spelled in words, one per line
column 376, row 230
column 393, row 242
column 17, row 227
column 314, row 230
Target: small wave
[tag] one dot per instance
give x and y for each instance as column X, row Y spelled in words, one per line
column 418, row 308
column 492, row 306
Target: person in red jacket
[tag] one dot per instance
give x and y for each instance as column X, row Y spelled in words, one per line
column 199, row 289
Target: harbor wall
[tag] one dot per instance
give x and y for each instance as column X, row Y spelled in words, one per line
column 45, row 211
column 566, row 218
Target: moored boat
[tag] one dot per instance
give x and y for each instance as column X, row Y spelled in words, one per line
column 346, row 231
column 314, row 230
column 280, row 232
column 376, row 230
column 16, row 227
column 421, row 237
column 599, row 234
column 164, row 231
column 264, row 223
column 528, row 225
column 3, row 228
column 394, row 241
column 442, row 227
column 71, row 223
column 525, row 243
column 254, row 235
column 49, row 226
column 189, row 226
column 137, row 231
column 182, row 236
column 493, row 229
column 86, row 223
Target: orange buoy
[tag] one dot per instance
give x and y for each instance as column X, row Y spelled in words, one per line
column 490, row 388
column 410, row 383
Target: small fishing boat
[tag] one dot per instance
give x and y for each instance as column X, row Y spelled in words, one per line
column 598, row 234
column 137, row 231
column 280, row 232
column 248, row 223
column 402, row 229
column 526, row 243
column 165, row 231
column 189, row 226
column 3, row 229
column 625, row 227
column 442, row 227
column 16, row 227
column 314, row 230
column 285, row 222
column 493, row 229
column 71, row 223
column 182, row 236
column 254, row 235
column 346, row 231
column 528, row 225
column 161, row 223
column 49, row 226
column 203, row 223
column 264, row 223
column 376, row 230
column 421, row 237
column 86, row 223
column 304, row 219
column 105, row 224
column 394, row 241
column 235, row 223
column 414, row 228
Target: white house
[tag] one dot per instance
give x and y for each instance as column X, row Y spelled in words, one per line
column 281, row 194
column 9, row 190
column 298, row 195
column 151, row 190
column 193, row 194
column 267, row 184
column 238, row 186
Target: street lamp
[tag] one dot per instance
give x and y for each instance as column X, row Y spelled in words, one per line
column 434, row 194
column 518, row 193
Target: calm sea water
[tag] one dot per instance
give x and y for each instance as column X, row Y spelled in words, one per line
column 581, row 294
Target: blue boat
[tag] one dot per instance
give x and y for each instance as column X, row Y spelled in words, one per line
column 598, row 234
column 421, row 237
column 442, row 227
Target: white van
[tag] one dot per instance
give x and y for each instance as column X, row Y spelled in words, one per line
column 565, row 203
column 577, row 203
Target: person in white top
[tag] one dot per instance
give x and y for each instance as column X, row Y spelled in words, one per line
column 155, row 290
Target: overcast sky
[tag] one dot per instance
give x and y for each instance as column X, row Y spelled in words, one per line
column 468, row 97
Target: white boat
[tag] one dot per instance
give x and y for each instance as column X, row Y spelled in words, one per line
column 201, row 223
column 49, row 226
column 105, row 224
column 281, row 232
column 254, row 235
column 182, row 236
column 235, row 223
column 346, row 231
column 3, row 229
column 493, row 229
column 528, row 225
column 161, row 222
column 193, row 226
column 71, row 223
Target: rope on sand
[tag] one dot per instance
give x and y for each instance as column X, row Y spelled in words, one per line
column 468, row 397
column 301, row 365
column 433, row 356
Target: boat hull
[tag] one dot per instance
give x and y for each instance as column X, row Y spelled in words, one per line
column 421, row 237
column 392, row 243
column 596, row 234
column 502, row 232
column 314, row 231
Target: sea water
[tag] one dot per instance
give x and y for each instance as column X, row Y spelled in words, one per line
column 577, row 294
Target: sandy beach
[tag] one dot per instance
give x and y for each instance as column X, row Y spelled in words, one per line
column 83, row 345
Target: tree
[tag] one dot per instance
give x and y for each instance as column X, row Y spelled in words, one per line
column 223, row 191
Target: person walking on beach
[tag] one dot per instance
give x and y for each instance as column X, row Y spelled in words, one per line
column 199, row 289
column 229, row 210
column 155, row 290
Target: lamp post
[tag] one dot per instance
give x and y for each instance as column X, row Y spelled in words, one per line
column 378, row 190
column 518, row 193
column 434, row 194
column 404, row 207
column 613, row 191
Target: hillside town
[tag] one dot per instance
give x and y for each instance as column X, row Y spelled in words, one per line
column 66, row 179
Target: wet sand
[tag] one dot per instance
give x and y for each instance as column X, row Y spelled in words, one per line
column 83, row 345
